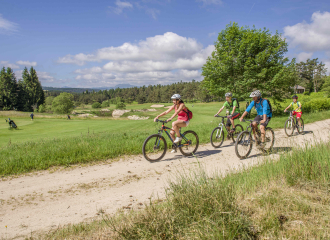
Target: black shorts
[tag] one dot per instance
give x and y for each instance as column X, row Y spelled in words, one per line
column 259, row 118
column 235, row 115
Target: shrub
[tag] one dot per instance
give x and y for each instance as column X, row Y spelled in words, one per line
column 42, row 108
column 96, row 105
column 120, row 105
column 318, row 104
column 105, row 104
column 63, row 103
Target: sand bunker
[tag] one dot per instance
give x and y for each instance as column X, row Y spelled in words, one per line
column 117, row 113
column 157, row 106
column 134, row 117
column 85, row 115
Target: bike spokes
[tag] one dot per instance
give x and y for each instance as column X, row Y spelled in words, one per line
column 154, row 147
column 189, row 143
column 243, row 145
column 217, row 137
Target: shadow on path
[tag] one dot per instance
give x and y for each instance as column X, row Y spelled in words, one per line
column 200, row 154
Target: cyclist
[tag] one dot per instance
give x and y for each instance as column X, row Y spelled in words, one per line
column 232, row 106
column 264, row 115
column 183, row 119
column 297, row 109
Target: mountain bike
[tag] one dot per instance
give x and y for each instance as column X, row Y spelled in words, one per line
column 292, row 123
column 155, row 146
column 244, row 141
column 218, row 134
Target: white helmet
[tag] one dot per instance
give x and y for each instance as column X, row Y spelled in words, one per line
column 228, row 94
column 176, row 96
column 256, row 93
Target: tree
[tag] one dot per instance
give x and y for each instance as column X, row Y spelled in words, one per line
column 8, row 89
column 96, row 105
column 246, row 59
column 311, row 74
column 63, row 103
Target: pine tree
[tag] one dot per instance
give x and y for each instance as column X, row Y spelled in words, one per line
column 8, row 89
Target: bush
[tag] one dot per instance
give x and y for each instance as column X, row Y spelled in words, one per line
column 319, row 104
column 96, row 105
column 42, row 108
column 105, row 104
column 120, row 105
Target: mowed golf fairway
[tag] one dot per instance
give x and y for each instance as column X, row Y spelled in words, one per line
column 46, row 126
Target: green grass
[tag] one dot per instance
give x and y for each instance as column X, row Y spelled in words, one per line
column 54, row 141
column 284, row 199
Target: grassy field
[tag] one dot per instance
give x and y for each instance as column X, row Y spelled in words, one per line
column 285, row 199
column 51, row 140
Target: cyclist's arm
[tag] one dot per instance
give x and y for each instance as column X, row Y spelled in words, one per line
column 220, row 110
column 264, row 118
column 166, row 112
column 232, row 113
column 177, row 112
column 288, row 107
column 243, row 115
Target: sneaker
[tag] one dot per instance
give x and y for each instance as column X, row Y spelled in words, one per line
column 177, row 139
column 173, row 151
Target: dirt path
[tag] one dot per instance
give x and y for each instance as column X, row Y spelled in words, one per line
column 44, row 201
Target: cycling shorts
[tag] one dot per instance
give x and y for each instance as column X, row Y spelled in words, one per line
column 259, row 118
column 234, row 116
column 298, row 114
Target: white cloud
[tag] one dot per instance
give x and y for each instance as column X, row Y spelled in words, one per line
column 7, row 64
column 27, row 63
column 311, row 37
column 153, row 12
column 303, row 56
column 120, row 6
column 169, row 46
column 209, row 2
column 161, row 59
column 7, row 26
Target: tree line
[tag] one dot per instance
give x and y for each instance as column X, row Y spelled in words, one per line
column 25, row 94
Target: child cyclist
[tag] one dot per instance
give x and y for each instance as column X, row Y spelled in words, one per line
column 232, row 106
column 264, row 115
column 183, row 119
column 296, row 109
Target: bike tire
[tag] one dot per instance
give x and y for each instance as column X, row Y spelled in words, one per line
column 215, row 135
column 149, row 145
column 287, row 129
column 244, row 139
column 193, row 137
column 302, row 126
column 270, row 137
column 238, row 130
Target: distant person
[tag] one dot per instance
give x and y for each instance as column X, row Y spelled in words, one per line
column 69, row 117
column 31, row 116
column 296, row 110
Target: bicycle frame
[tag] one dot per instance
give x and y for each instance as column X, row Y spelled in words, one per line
column 164, row 129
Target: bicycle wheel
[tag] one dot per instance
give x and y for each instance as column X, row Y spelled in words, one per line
column 190, row 141
column 302, row 126
column 154, row 147
column 217, row 137
column 289, row 127
column 269, row 139
column 243, row 145
column 238, row 130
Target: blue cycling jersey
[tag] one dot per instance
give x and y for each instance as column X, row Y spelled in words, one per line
column 261, row 110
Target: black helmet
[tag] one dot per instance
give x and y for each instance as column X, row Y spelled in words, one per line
column 295, row 96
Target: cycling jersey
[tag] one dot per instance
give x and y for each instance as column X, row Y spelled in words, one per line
column 295, row 106
column 227, row 105
column 261, row 109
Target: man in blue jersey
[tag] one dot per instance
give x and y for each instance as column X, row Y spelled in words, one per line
column 264, row 112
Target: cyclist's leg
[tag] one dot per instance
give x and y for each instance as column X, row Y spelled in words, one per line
column 228, row 124
column 176, row 127
column 255, row 125
column 263, row 129
column 235, row 115
column 298, row 118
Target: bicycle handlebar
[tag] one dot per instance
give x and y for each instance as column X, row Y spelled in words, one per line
column 247, row 120
column 221, row 116
column 162, row 121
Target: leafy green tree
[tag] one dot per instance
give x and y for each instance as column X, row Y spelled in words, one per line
column 63, row 103
column 246, row 59
column 106, row 103
column 8, row 89
column 311, row 74
column 120, row 103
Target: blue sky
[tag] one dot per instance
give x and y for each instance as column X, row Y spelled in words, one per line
column 105, row 43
